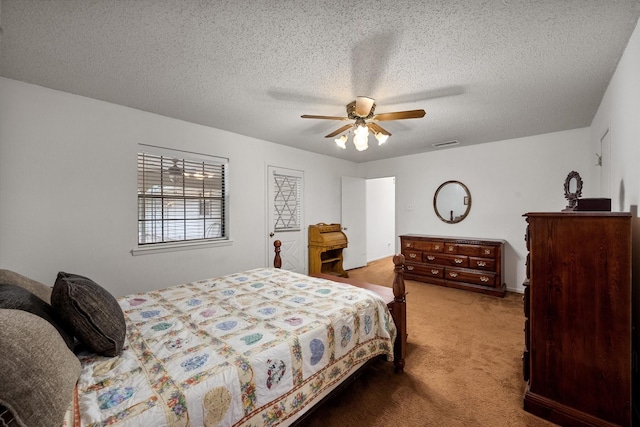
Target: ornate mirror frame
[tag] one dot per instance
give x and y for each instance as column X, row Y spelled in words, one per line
column 452, row 202
column 572, row 194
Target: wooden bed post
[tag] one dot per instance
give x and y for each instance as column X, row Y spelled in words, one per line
column 399, row 312
column 277, row 261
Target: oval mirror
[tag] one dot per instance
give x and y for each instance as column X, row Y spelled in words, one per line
column 452, row 202
column 572, row 189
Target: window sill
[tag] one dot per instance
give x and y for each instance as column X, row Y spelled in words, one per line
column 180, row 246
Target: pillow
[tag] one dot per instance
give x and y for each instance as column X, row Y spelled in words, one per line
column 17, row 298
column 92, row 313
column 38, row 289
column 37, row 369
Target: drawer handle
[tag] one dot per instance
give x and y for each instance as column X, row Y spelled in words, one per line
column 487, row 251
column 430, row 257
column 412, row 255
column 453, row 274
column 484, row 279
column 434, row 271
column 436, row 247
column 457, row 261
column 482, row 264
column 452, row 248
column 408, row 245
column 409, row 267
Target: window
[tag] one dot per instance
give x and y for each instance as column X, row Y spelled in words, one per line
column 182, row 197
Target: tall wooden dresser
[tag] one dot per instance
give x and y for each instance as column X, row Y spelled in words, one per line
column 458, row 262
column 578, row 324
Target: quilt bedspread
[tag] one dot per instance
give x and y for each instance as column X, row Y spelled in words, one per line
column 251, row 348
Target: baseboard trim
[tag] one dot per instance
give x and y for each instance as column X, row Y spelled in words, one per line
column 558, row 413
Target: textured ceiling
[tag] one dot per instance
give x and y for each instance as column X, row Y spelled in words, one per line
column 483, row 70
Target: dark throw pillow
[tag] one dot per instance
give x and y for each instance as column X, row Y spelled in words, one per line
column 92, row 313
column 38, row 373
column 17, row 298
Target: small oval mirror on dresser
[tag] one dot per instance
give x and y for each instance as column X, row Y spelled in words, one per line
column 452, row 202
column 572, row 190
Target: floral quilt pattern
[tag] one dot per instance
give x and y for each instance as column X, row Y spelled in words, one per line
column 251, row 348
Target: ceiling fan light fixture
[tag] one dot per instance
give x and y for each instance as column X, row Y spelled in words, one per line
column 381, row 137
column 362, row 112
column 361, row 136
column 361, row 143
column 361, row 129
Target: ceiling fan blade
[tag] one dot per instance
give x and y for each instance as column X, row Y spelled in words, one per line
column 307, row 116
column 363, row 106
column 399, row 115
column 376, row 128
column 339, row 131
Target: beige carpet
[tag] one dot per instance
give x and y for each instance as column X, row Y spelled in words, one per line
column 463, row 366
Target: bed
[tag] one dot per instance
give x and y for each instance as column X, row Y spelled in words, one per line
column 259, row 348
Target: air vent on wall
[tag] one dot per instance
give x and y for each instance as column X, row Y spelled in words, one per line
column 445, row 144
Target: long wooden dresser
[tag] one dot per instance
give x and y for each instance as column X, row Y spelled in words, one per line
column 459, row 262
column 578, row 318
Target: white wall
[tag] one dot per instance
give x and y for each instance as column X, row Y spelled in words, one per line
column 381, row 218
column 68, row 183
column 619, row 111
column 506, row 179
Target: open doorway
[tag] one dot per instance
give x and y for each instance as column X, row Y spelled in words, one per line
column 381, row 217
column 368, row 219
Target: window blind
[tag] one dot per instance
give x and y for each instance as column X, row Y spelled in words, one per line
column 180, row 199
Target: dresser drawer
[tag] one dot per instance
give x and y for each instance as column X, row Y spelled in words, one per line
column 445, row 259
column 428, row 246
column 488, row 251
column 462, row 249
column 425, row 270
column 412, row 255
column 485, row 279
column 431, row 258
column 455, row 260
column 469, row 250
column 482, row 263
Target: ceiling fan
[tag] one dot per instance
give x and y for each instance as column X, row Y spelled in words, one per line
column 362, row 111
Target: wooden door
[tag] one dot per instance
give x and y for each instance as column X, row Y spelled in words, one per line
column 353, row 221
